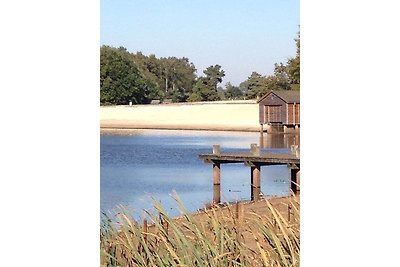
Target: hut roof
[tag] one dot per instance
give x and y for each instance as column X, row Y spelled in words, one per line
column 289, row 96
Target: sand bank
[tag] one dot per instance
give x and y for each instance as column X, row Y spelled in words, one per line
column 221, row 116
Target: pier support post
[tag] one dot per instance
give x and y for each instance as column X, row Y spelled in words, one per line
column 216, row 182
column 262, row 140
column 217, row 150
column 255, row 182
column 297, row 128
column 295, row 180
column 254, row 150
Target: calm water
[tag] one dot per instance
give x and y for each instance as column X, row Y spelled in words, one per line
column 153, row 164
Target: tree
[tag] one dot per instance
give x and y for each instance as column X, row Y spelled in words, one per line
column 205, row 88
column 232, row 92
column 256, row 85
column 221, row 93
column 204, row 91
column 280, row 79
column 120, row 78
column 214, row 74
column 174, row 77
column 243, row 86
column 194, row 97
column 180, row 78
column 149, row 67
column 293, row 66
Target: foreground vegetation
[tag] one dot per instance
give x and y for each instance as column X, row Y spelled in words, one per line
column 217, row 237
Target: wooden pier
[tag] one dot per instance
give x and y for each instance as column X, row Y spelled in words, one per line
column 253, row 159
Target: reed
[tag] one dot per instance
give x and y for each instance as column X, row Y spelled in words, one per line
column 216, row 237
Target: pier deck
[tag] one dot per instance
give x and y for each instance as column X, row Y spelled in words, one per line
column 254, row 159
column 262, row 159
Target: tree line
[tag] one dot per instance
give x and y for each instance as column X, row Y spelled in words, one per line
column 133, row 77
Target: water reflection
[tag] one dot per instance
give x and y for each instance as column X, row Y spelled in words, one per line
column 279, row 140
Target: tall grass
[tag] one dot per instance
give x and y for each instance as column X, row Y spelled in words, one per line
column 217, row 237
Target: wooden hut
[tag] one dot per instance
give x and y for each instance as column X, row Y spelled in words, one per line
column 280, row 110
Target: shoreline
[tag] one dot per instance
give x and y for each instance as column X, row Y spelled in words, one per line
column 222, row 116
column 125, row 127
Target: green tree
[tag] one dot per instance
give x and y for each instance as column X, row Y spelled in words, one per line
column 214, row 74
column 204, row 90
column 232, row 92
column 180, row 78
column 206, row 86
column 174, row 77
column 256, row 85
column 280, row 80
column 149, row 67
column 221, row 93
column 293, row 66
column 194, row 97
column 243, row 87
column 120, row 79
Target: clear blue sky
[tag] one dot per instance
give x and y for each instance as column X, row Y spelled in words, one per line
column 241, row 36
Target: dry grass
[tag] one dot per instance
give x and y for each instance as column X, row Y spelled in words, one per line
column 234, row 235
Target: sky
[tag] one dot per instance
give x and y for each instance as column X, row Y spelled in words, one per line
column 240, row 36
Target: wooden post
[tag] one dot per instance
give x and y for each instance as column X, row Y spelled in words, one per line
column 255, row 182
column 261, row 129
column 294, row 112
column 217, row 182
column 254, row 150
column 294, row 182
column 262, row 140
column 217, row 150
column 298, row 180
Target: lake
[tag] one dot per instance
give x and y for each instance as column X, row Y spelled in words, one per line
column 155, row 163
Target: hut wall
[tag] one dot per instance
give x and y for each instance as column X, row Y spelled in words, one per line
column 290, row 114
column 297, row 113
column 272, row 108
column 275, row 114
column 293, row 113
column 261, row 111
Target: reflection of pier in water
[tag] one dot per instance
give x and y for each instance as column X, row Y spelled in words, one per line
column 279, row 140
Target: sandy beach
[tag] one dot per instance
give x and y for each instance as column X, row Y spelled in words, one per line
column 221, row 116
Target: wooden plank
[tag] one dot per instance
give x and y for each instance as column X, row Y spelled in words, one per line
column 216, row 183
column 297, row 113
column 291, row 114
column 216, row 173
column 255, row 183
column 271, row 158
